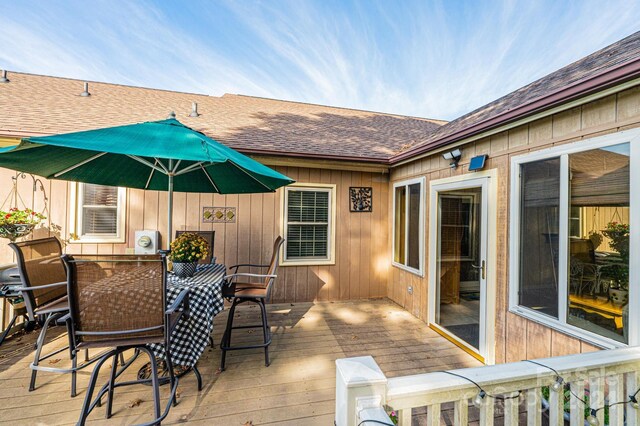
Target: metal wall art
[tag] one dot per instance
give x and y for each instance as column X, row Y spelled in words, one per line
column 360, row 199
column 219, row 215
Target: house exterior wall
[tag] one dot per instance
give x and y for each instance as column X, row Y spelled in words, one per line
column 361, row 260
column 516, row 338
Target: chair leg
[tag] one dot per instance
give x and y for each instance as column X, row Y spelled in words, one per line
column 155, row 382
column 198, row 376
column 226, row 337
column 112, row 379
column 172, row 377
column 39, row 345
column 5, row 333
column 74, row 365
column 90, row 388
column 265, row 332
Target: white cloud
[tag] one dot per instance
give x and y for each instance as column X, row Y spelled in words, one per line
column 438, row 59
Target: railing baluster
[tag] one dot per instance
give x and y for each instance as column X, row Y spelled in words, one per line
column 461, row 413
column 616, row 394
column 596, row 396
column 404, row 417
column 633, row 415
column 576, row 406
column 534, row 407
column 511, row 411
column 556, row 408
column 433, row 415
column 486, row 412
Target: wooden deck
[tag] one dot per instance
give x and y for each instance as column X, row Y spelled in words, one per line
column 298, row 388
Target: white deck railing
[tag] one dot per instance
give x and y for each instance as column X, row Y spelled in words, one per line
column 609, row 378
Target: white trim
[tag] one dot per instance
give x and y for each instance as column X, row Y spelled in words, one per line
column 75, row 218
column 487, row 180
column 563, row 151
column 422, row 181
column 331, row 232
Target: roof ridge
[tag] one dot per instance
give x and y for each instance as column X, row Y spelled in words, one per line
column 131, row 86
column 338, row 107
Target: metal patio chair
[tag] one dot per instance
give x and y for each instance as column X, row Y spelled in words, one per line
column 44, row 290
column 118, row 302
column 238, row 288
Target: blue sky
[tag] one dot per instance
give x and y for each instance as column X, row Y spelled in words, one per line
column 437, row 59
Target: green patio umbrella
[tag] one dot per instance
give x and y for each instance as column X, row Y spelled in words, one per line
column 157, row 155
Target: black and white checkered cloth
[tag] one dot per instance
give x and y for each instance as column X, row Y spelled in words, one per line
column 191, row 336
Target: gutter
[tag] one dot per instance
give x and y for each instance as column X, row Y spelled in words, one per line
column 612, row 77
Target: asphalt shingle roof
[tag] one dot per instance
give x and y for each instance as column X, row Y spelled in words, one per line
column 35, row 104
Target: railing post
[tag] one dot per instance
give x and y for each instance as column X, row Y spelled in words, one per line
column 360, row 384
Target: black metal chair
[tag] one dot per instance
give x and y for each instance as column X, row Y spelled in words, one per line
column 119, row 302
column 244, row 291
column 44, row 290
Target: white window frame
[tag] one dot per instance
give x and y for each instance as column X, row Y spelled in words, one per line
column 422, row 181
column 331, row 232
column 563, row 151
column 75, row 225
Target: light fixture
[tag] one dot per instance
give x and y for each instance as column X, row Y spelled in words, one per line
column 592, row 419
column 634, row 402
column 453, row 156
column 558, row 385
column 479, row 399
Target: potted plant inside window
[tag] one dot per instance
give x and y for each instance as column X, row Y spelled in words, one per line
column 618, row 234
column 17, row 223
column 186, row 251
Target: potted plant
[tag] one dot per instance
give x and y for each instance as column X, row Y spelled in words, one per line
column 186, row 250
column 17, row 223
column 618, row 234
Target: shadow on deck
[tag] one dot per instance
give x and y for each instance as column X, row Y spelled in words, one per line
column 298, row 387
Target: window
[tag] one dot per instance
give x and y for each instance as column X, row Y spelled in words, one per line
column 308, row 224
column 99, row 213
column 408, row 219
column 571, row 245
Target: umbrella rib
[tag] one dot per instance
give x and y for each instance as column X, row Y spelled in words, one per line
column 80, row 164
column 150, row 176
column 148, row 164
column 189, row 168
column 251, row 176
column 206, row 173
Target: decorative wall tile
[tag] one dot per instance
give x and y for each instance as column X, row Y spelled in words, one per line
column 218, row 214
column 360, row 199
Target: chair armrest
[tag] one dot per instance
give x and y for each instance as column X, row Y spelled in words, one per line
column 246, row 265
column 228, row 278
column 66, row 317
column 183, row 298
column 39, row 287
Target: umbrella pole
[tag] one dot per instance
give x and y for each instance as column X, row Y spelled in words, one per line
column 170, row 208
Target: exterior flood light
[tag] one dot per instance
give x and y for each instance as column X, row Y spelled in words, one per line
column 477, row 162
column 453, row 156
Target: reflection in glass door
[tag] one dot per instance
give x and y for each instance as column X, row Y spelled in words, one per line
column 460, row 264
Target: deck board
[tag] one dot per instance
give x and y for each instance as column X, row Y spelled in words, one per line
column 298, row 387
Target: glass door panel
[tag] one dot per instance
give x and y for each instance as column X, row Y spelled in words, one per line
column 460, row 264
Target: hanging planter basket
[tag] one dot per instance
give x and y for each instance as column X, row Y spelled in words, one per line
column 16, row 230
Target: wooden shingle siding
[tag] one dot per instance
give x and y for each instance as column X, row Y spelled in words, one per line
column 516, row 338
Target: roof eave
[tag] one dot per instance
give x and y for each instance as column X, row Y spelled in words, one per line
column 612, row 77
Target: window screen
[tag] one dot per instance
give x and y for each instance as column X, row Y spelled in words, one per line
column 308, row 212
column 99, row 210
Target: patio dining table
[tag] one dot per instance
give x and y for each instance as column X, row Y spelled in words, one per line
column 191, row 335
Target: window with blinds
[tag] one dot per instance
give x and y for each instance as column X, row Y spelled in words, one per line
column 99, row 212
column 307, row 222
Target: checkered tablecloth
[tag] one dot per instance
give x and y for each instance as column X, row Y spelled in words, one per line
column 191, row 336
